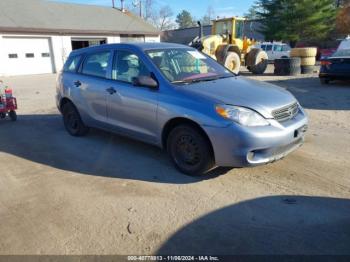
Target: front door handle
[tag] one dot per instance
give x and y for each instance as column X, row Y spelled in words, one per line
column 111, row 90
column 77, row 83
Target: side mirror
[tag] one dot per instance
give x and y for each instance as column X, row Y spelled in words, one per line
column 146, row 81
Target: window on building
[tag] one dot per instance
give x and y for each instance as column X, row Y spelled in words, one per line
column 45, row 54
column 96, row 64
column 12, row 56
column 30, row 55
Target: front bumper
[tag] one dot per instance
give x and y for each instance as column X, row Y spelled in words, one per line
column 238, row 146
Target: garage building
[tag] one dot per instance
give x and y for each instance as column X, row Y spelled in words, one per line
column 36, row 36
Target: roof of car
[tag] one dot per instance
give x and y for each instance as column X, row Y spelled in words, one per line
column 139, row 46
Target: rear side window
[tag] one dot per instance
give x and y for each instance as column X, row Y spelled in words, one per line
column 268, row 48
column 277, row 48
column 72, row 64
column 97, row 64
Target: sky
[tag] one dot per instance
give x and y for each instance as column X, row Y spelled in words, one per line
column 222, row 8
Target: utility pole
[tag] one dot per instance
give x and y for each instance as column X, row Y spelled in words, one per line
column 138, row 3
column 122, row 5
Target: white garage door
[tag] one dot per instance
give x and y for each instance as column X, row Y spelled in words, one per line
column 26, row 56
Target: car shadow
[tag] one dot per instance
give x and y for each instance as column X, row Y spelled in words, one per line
column 43, row 139
column 274, row 225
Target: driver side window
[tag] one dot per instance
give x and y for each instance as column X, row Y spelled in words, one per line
column 127, row 66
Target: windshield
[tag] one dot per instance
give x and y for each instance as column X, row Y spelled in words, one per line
column 342, row 52
column 187, row 65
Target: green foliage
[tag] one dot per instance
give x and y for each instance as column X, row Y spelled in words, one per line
column 297, row 20
column 184, row 19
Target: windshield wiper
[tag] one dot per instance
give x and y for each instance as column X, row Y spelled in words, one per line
column 204, row 79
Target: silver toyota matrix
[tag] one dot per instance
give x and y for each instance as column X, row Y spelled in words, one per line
column 181, row 100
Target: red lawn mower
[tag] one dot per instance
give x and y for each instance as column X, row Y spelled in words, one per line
column 8, row 103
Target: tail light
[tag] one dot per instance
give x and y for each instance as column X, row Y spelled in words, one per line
column 325, row 63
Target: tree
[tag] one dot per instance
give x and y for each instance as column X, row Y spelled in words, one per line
column 158, row 17
column 163, row 21
column 343, row 20
column 297, row 20
column 252, row 13
column 209, row 16
column 185, row 20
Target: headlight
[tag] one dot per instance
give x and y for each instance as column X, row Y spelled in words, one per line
column 241, row 115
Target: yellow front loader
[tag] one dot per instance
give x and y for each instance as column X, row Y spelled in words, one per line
column 228, row 45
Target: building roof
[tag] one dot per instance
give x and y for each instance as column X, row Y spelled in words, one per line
column 41, row 16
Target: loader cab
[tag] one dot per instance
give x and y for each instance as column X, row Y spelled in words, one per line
column 231, row 28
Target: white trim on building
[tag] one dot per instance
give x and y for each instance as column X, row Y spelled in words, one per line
column 52, row 49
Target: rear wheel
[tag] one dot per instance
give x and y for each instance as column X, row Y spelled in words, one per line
column 72, row 121
column 190, row 150
column 13, row 115
column 324, row 81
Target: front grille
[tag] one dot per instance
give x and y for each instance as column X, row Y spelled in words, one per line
column 286, row 113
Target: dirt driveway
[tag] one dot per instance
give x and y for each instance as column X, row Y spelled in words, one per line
column 105, row 194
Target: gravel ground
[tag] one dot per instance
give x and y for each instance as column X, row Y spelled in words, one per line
column 105, row 194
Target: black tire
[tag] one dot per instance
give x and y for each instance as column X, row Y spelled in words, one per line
column 324, row 80
column 190, row 150
column 287, row 66
column 307, row 69
column 72, row 121
column 288, row 62
column 287, row 71
column 13, row 115
column 257, row 60
column 2, row 115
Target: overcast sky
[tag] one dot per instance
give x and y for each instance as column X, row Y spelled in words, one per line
column 197, row 7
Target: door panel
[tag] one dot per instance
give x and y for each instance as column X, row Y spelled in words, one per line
column 92, row 83
column 132, row 108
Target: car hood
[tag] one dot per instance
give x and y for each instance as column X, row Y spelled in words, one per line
column 240, row 91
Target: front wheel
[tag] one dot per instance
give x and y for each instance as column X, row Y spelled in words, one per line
column 72, row 121
column 190, row 150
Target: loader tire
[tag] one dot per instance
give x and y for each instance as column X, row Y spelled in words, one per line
column 233, row 62
column 307, row 69
column 308, row 61
column 257, row 60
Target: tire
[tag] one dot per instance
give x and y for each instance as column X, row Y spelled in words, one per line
column 288, row 71
column 2, row 115
column 287, row 66
column 233, row 62
column 304, row 52
column 257, row 60
column 287, row 62
column 307, row 69
column 190, row 150
column 308, row 61
column 13, row 115
column 324, row 80
column 72, row 121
